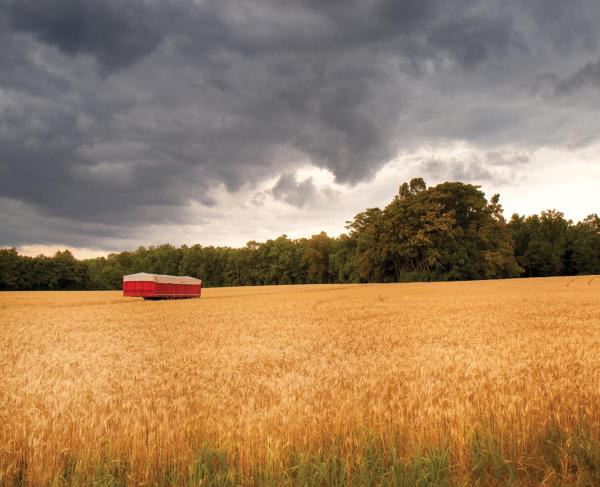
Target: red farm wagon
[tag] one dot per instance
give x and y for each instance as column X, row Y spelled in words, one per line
column 160, row 286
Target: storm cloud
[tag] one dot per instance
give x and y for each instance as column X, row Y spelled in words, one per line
column 120, row 114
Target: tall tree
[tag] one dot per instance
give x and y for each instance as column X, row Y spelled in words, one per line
column 541, row 242
column 366, row 233
column 316, row 258
column 12, row 273
column 585, row 246
column 448, row 231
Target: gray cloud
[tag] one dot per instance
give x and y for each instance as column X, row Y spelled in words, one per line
column 504, row 158
column 586, row 76
column 120, row 111
column 294, row 192
column 458, row 170
column 498, row 167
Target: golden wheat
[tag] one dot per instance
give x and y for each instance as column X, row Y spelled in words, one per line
column 257, row 371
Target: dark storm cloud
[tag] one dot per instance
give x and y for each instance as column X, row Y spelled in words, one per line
column 118, row 113
column 473, row 40
column 116, row 33
column 22, row 224
column 561, row 25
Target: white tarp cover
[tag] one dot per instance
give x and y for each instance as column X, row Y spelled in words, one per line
column 145, row 276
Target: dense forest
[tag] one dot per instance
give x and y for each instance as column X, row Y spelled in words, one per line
column 444, row 232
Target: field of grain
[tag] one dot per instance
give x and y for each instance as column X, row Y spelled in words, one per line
column 394, row 384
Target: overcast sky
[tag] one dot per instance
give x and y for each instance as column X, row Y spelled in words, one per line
column 140, row 122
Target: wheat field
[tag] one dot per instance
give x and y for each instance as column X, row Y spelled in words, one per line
column 465, row 383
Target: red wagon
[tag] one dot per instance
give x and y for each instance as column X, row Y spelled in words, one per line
column 160, row 286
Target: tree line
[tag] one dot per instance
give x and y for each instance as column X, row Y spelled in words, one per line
column 439, row 233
